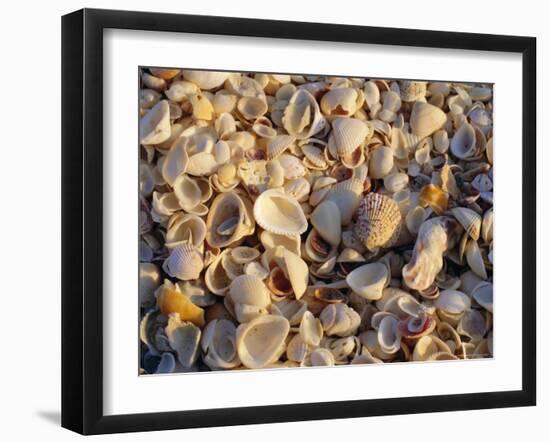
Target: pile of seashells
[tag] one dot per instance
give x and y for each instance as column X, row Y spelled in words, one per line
column 297, row 220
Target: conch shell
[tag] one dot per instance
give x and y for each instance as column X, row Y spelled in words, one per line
column 435, row 237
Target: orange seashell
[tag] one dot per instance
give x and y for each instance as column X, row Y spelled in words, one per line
column 170, row 301
column 434, row 197
column 166, row 74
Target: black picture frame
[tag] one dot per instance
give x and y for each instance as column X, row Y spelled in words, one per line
column 82, row 160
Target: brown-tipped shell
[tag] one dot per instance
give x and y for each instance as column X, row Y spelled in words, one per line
column 378, row 221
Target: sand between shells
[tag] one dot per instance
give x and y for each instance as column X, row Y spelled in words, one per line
column 296, row 220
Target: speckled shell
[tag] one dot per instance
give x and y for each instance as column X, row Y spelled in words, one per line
column 378, row 221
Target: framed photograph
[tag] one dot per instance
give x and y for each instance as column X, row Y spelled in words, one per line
column 270, row 221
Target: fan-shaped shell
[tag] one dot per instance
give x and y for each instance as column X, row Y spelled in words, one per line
column 347, row 196
column 380, row 162
column 426, row 119
column 154, row 126
column 249, row 290
column 470, row 220
column 184, row 262
column 278, row 144
column 262, row 340
column 368, row 281
column 279, row 213
column 378, row 221
column 348, row 134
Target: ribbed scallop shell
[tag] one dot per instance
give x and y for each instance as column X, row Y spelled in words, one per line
column 378, row 221
column 184, row 262
column 470, row 221
column 277, row 145
column 249, row 290
column 279, row 213
column 347, row 196
column 426, row 119
column 348, row 134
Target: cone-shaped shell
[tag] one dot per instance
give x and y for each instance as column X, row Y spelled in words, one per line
column 184, row 262
column 229, row 219
column 154, row 126
column 327, row 221
column 261, row 341
column 368, row 281
column 426, row 119
column 378, row 221
column 205, row 79
column 470, row 220
column 279, row 213
column 348, row 134
column 347, row 196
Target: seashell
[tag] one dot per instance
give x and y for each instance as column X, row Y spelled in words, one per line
column 302, row 116
column 187, row 191
column 311, row 330
column 380, row 162
column 180, row 90
column 225, row 125
column 472, row 324
column 463, row 143
column 264, row 128
column 297, row 271
column 252, row 107
column 296, row 349
column 389, row 338
column 372, row 94
column 270, row 240
column 176, row 161
column 435, row 238
column 244, row 86
column 396, row 182
column 429, row 346
column 482, row 183
column 255, row 269
column 412, row 91
column 321, row 357
column 148, row 98
column 218, row 343
column 317, row 249
column 292, row 166
column 170, row 301
column 413, row 328
column 426, row 119
column 391, row 105
column 184, row 262
column 368, row 281
column 298, row 188
column 202, row 107
column 378, row 221
column 314, row 157
column 347, row 135
column 279, row 213
column 166, row 74
column 441, row 141
column 489, row 150
column 244, row 254
column 341, row 102
column 184, row 338
column 470, row 221
column 452, row 301
column 224, row 101
column 250, row 297
column 188, row 228
column 205, row 79
column 278, row 282
column 202, row 163
column 292, row 310
column 483, row 295
column 146, row 180
column 434, row 197
column 414, row 219
column 229, row 219
column 474, row 259
column 277, row 145
column 487, row 226
column 149, row 281
column 154, row 126
column 339, row 319
column 262, row 340
column 216, row 278
column 347, row 196
column 326, row 220
column 167, row 364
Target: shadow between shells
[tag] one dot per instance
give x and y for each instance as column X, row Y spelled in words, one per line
column 296, row 220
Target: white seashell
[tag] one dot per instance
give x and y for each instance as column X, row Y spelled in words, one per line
column 296, row 349
column 187, row 192
column 412, row 91
column 347, row 196
column 262, row 340
column 279, row 213
column 176, row 161
column 215, row 278
column 205, row 79
column 297, row 271
column 474, row 259
column 184, row 338
column 470, row 221
column 414, row 219
column 396, row 182
column 368, row 281
column 264, row 128
column 292, row 166
column 372, row 94
column 441, row 141
column 154, row 126
column 389, row 338
column 311, row 330
column 489, row 150
column 188, row 228
column 244, row 86
column 244, row 254
column 202, row 163
column 487, row 226
column 452, row 301
column 483, row 295
column 252, row 107
column 298, row 188
column 380, row 162
column 185, row 262
column 224, row 101
column 341, row 102
column 348, row 134
column 321, row 357
column 277, row 145
column 435, row 237
column 149, row 281
column 256, row 270
column 339, row 319
column 326, row 220
column 428, row 346
column 181, row 90
column 463, row 143
column 225, row 125
column 426, row 119
column 472, row 324
column 218, row 343
column 270, row 240
column 302, row 116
